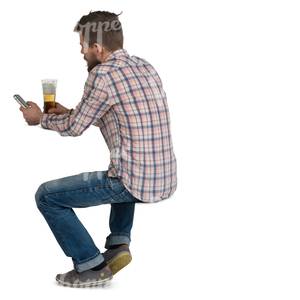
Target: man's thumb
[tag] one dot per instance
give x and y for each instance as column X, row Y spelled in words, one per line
column 52, row 110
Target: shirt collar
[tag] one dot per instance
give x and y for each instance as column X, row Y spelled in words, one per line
column 117, row 53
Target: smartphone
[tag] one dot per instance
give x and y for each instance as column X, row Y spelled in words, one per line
column 21, row 101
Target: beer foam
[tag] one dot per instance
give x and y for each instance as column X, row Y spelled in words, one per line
column 49, row 87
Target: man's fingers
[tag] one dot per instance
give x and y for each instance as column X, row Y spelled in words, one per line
column 52, row 110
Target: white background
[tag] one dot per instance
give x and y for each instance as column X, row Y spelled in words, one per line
column 231, row 73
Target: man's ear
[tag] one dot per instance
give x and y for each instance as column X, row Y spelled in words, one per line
column 99, row 48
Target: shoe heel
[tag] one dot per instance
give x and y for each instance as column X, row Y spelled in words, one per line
column 120, row 262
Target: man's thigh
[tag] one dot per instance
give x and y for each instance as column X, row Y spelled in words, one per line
column 82, row 190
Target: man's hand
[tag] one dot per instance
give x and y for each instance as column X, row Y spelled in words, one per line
column 59, row 110
column 33, row 114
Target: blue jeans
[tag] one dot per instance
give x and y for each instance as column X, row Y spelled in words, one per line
column 55, row 200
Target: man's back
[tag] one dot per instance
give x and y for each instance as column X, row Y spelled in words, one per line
column 136, row 127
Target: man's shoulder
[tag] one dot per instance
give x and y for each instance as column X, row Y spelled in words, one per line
column 103, row 69
column 118, row 62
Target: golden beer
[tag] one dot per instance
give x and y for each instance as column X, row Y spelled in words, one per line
column 49, row 102
column 49, row 92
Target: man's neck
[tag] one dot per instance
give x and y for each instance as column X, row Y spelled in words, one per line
column 106, row 55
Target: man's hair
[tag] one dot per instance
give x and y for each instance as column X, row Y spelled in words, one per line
column 103, row 28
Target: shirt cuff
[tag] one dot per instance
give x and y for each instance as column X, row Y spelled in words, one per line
column 43, row 121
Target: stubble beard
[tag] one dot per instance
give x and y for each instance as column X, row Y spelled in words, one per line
column 91, row 63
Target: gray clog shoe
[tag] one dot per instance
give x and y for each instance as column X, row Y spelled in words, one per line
column 117, row 258
column 85, row 279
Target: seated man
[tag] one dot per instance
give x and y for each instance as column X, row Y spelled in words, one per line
column 124, row 97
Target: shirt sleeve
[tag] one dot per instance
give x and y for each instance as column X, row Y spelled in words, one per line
column 93, row 105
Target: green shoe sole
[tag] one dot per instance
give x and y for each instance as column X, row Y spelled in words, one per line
column 120, row 262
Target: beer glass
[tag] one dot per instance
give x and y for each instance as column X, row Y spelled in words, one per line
column 49, row 91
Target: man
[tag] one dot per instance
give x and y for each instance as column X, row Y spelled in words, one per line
column 124, row 97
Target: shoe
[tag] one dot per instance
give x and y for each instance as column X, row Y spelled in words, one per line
column 118, row 258
column 85, row 279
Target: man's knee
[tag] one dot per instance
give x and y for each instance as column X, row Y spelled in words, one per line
column 39, row 195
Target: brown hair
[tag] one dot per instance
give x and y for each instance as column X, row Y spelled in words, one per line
column 103, row 28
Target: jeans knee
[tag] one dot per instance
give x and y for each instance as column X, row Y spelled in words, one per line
column 40, row 193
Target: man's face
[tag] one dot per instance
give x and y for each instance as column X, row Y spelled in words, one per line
column 89, row 55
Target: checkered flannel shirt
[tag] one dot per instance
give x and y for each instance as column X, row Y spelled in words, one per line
column 124, row 97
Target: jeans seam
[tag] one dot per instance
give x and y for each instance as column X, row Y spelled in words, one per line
column 95, row 188
column 119, row 195
column 75, row 190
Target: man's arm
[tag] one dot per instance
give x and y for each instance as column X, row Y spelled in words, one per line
column 93, row 105
column 85, row 114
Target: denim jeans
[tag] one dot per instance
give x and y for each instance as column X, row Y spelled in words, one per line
column 55, row 200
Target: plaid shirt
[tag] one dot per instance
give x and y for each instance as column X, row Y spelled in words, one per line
column 124, row 97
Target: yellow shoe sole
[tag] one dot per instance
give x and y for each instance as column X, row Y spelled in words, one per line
column 121, row 261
